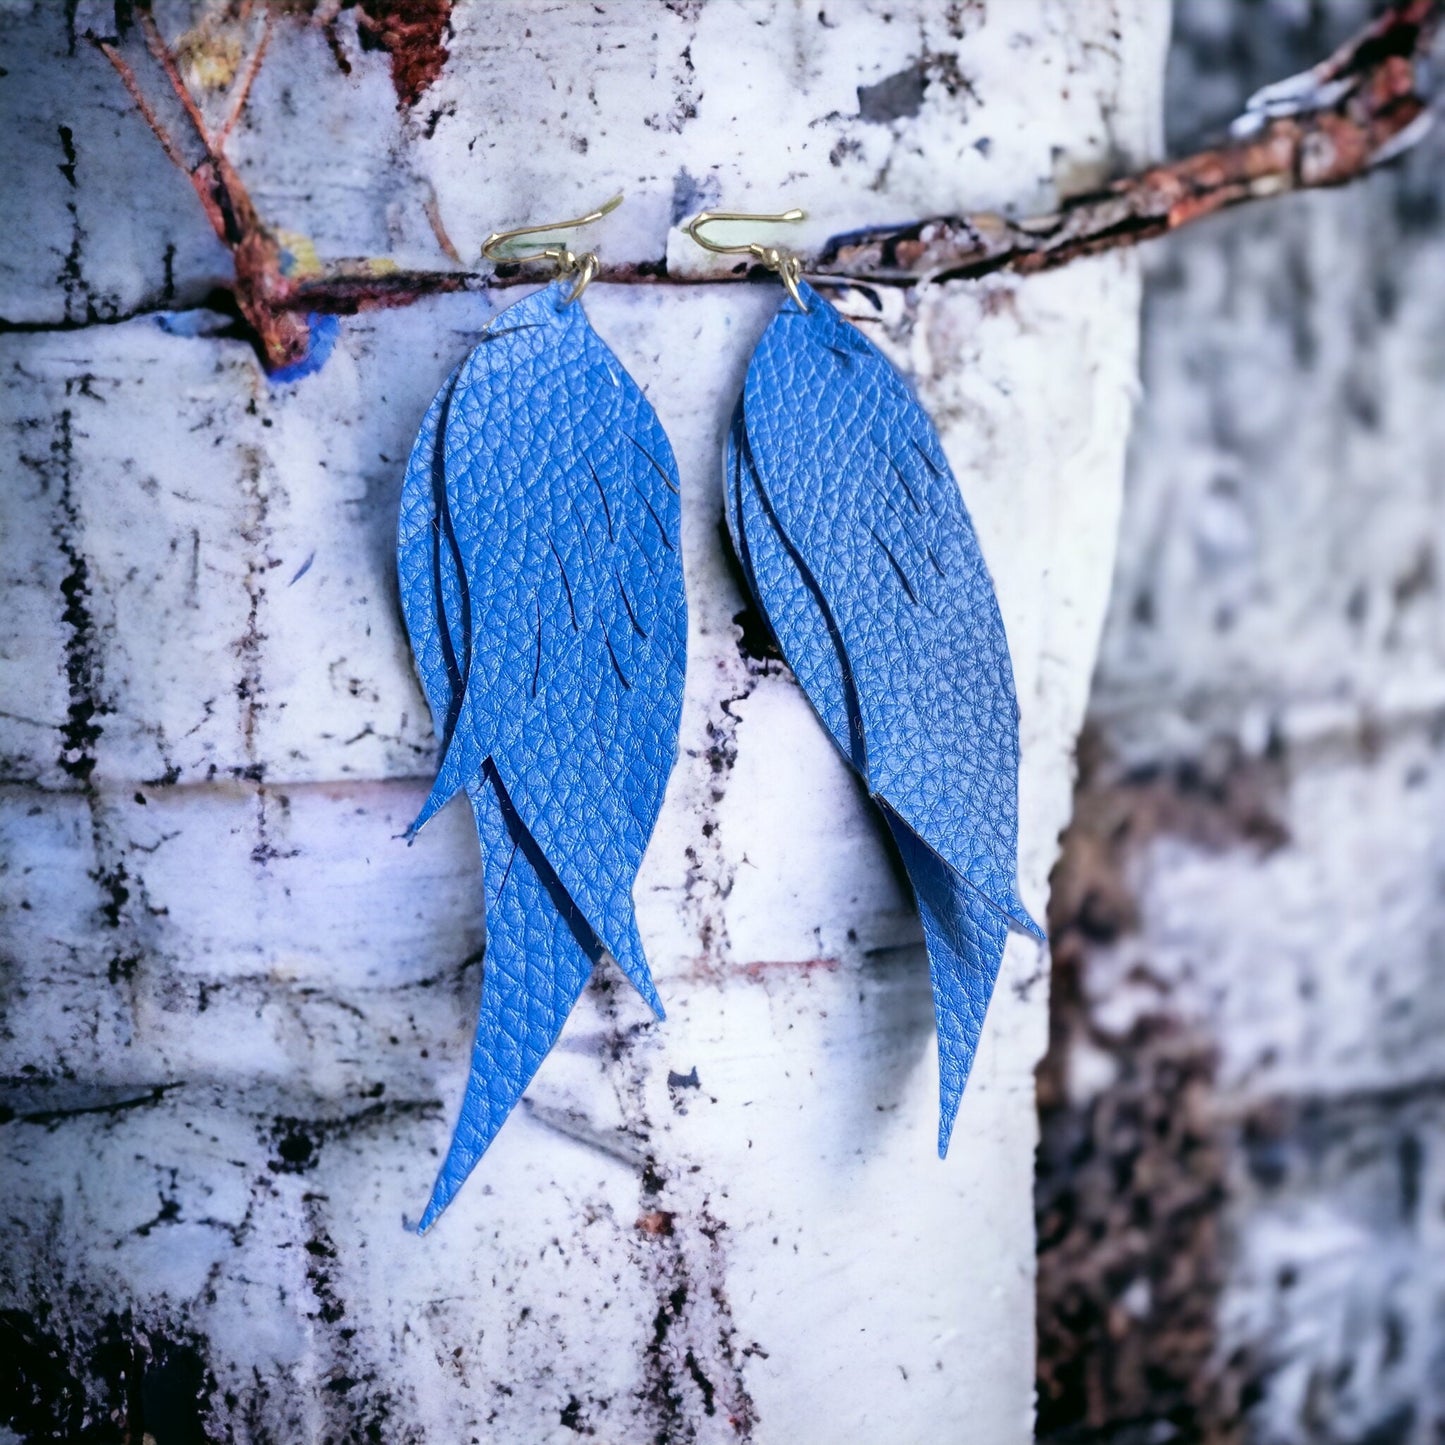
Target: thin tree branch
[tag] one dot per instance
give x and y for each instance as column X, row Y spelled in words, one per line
column 1365, row 104
column 161, row 54
column 242, row 91
column 280, row 331
column 127, row 79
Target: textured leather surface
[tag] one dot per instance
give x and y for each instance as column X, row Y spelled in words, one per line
column 899, row 645
column 857, row 478
column 542, row 586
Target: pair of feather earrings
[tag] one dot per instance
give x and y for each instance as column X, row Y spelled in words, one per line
column 541, row 579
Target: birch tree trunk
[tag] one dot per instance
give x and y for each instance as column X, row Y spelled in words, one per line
column 238, row 1008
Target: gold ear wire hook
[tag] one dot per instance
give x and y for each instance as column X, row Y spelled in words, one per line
column 787, row 266
column 568, row 262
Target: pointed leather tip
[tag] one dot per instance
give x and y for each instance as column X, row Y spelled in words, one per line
column 429, row 810
column 649, row 995
column 435, row 1207
column 947, row 1117
column 1022, row 919
column 632, row 964
column 462, row 1156
column 1026, row 922
column 441, row 794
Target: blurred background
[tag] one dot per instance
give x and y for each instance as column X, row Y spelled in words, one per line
column 1241, row 1181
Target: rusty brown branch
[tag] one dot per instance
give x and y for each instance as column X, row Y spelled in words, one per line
column 264, row 295
column 1364, row 104
column 242, row 92
column 161, row 54
column 127, row 79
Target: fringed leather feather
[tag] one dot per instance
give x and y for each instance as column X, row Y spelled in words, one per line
column 541, row 579
column 856, row 543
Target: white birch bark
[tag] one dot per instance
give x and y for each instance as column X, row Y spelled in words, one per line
column 238, row 1008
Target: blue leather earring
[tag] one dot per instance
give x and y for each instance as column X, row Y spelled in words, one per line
column 857, row 546
column 540, row 569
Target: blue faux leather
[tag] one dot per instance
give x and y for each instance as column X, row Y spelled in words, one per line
column 541, row 580
column 856, row 542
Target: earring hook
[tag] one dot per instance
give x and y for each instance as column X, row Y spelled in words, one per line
column 584, row 267
column 784, row 263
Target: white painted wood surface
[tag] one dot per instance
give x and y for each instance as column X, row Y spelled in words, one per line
column 238, row 1008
